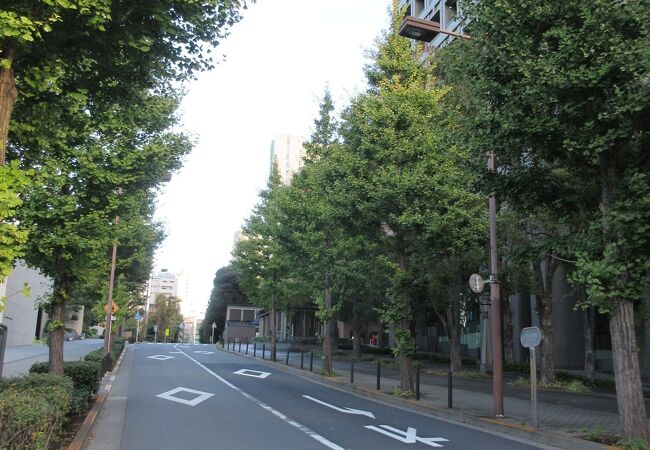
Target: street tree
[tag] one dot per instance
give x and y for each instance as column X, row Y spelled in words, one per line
column 225, row 291
column 564, row 84
column 91, row 170
column 167, row 316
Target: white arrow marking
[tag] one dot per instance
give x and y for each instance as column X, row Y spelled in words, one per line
column 408, row 437
column 343, row 410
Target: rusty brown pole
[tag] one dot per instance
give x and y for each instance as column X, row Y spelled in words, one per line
column 109, row 305
column 495, row 304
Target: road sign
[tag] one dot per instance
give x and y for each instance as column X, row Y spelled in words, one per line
column 476, row 283
column 155, row 328
column 530, row 337
column 138, row 317
column 113, row 310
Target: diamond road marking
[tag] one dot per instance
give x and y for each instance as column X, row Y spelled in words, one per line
column 201, row 396
column 203, row 352
column 160, row 357
column 252, row 373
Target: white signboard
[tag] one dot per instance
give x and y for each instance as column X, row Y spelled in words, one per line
column 530, row 337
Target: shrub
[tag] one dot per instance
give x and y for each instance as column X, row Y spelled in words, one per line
column 95, row 356
column 32, row 410
column 376, row 350
column 84, row 374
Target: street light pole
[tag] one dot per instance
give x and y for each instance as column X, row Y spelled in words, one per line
column 109, row 306
column 495, row 303
column 426, row 31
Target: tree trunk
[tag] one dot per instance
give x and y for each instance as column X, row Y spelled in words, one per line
column 356, row 330
column 627, row 374
column 405, row 348
column 328, row 339
column 545, row 301
column 8, row 95
column 56, row 337
column 629, row 396
column 590, row 319
column 273, row 329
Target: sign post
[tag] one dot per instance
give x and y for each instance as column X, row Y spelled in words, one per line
column 214, row 325
column 530, row 338
column 138, row 318
column 155, row 333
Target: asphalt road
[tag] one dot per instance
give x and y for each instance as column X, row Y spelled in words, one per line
column 18, row 360
column 168, row 396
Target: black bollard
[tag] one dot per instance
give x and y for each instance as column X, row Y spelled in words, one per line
column 302, row 358
column 247, row 343
column 239, row 346
column 449, row 391
column 286, row 361
column 417, row 382
column 254, row 349
column 311, row 362
column 263, row 351
column 378, row 375
column 352, row 371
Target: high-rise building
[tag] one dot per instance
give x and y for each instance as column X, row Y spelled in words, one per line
column 163, row 283
column 288, row 153
column 444, row 12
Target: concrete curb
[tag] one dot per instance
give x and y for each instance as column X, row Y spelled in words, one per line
column 81, row 438
column 455, row 416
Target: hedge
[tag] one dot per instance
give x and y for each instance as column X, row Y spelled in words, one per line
column 32, row 410
column 84, row 374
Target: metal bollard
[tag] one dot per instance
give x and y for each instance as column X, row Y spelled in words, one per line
column 311, row 362
column 263, row 351
column 378, row 375
column 302, row 358
column 352, row 371
column 286, row 361
column 417, row 382
column 254, row 349
column 449, row 391
column 247, row 343
column 239, row 346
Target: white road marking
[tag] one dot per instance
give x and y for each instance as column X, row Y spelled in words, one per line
column 203, row 352
column 408, row 437
column 343, row 410
column 252, row 373
column 160, row 357
column 201, row 396
column 273, row 411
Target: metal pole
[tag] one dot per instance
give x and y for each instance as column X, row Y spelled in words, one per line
column 212, row 337
column 247, row 344
column 254, row 349
column 352, row 371
column 450, row 391
column 287, row 359
column 311, row 361
column 109, row 306
column 533, row 384
column 417, row 382
column 302, row 358
column 378, row 375
column 495, row 304
column 239, row 346
column 263, row 351
column 137, row 332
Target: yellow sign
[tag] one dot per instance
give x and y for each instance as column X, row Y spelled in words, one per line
column 113, row 310
column 167, row 332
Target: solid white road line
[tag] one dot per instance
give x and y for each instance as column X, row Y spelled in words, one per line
column 273, row 411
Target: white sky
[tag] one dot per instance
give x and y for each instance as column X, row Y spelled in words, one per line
column 278, row 61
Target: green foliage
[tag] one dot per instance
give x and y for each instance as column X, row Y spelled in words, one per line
column 167, row 315
column 32, row 410
column 225, row 291
column 634, row 444
column 84, row 374
column 94, row 356
column 398, row 392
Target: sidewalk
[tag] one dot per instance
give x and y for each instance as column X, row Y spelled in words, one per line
column 562, row 416
column 18, row 360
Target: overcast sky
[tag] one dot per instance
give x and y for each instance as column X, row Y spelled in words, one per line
column 278, row 61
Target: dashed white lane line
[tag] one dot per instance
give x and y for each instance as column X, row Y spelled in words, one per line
column 309, row 432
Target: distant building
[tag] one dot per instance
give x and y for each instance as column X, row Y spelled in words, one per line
column 288, row 152
column 24, row 320
column 241, row 323
column 445, row 12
